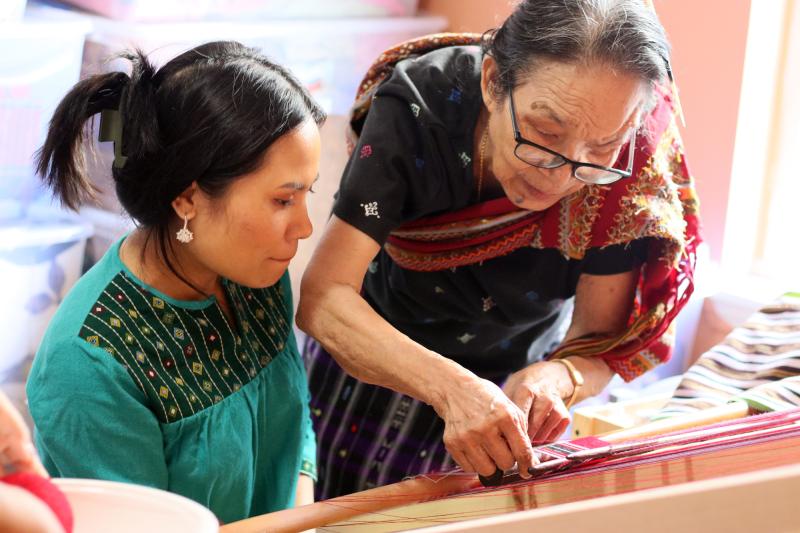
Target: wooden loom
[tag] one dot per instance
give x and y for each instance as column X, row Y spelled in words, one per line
column 662, row 477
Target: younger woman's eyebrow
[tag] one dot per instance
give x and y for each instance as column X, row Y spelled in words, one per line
column 296, row 185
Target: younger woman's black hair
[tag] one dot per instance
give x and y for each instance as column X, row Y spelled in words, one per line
column 207, row 116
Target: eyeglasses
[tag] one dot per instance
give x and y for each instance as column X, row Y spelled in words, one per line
column 542, row 157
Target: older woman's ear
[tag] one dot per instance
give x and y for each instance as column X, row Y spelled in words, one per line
column 490, row 88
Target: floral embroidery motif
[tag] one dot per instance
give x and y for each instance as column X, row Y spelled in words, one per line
column 414, row 109
column 465, row 159
column 455, row 96
column 366, row 151
column 371, row 209
column 466, row 337
column 578, row 215
column 488, row 303
column 649, row 190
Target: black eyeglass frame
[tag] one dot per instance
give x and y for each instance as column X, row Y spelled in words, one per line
column 520, row 140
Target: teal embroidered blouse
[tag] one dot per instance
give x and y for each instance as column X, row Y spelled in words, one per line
column 131, row 385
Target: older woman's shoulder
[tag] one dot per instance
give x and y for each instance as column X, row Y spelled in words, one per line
column 443, row 83
column 452, row 61
column 437, row 69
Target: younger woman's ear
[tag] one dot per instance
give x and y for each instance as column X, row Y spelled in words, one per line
column 185, row 204
column 489, row 83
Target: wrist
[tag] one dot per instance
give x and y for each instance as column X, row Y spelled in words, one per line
column 575, row 381
column 596, row 374
column 437, row 385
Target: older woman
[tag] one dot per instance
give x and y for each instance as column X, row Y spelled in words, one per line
column 488, row 185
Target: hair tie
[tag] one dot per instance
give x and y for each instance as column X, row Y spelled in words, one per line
column 111, row 130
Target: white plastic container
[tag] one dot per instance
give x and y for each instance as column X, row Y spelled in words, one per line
column 108, row 506
column 329, row 58
column 39, row 62
column 186, row 10
column 11, row 10
column 40, row 259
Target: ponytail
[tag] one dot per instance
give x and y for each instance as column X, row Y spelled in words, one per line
column 60, row 161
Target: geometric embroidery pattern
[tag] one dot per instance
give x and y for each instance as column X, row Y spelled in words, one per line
column 185, row 360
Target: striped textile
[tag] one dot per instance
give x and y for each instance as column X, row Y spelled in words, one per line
column 758, row 362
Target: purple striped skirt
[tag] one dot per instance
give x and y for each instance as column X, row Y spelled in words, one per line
column 367, row 435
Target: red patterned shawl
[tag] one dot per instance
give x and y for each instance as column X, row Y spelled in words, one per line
column 658, row 201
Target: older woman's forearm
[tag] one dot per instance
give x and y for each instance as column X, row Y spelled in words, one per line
column 372, row 350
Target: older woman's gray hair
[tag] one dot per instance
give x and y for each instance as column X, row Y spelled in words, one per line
column 623, row 34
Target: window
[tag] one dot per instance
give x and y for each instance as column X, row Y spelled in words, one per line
column 766, row 168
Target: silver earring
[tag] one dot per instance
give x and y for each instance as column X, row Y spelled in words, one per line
column 184, row 235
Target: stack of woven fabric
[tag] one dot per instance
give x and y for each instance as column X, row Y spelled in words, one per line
column 759, row 362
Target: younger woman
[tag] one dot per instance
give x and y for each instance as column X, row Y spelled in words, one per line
column 172, row 362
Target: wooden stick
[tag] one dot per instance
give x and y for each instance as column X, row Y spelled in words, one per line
column 730, row 411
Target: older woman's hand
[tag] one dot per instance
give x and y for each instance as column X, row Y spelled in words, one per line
column 538, row 390
column 484, row 430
